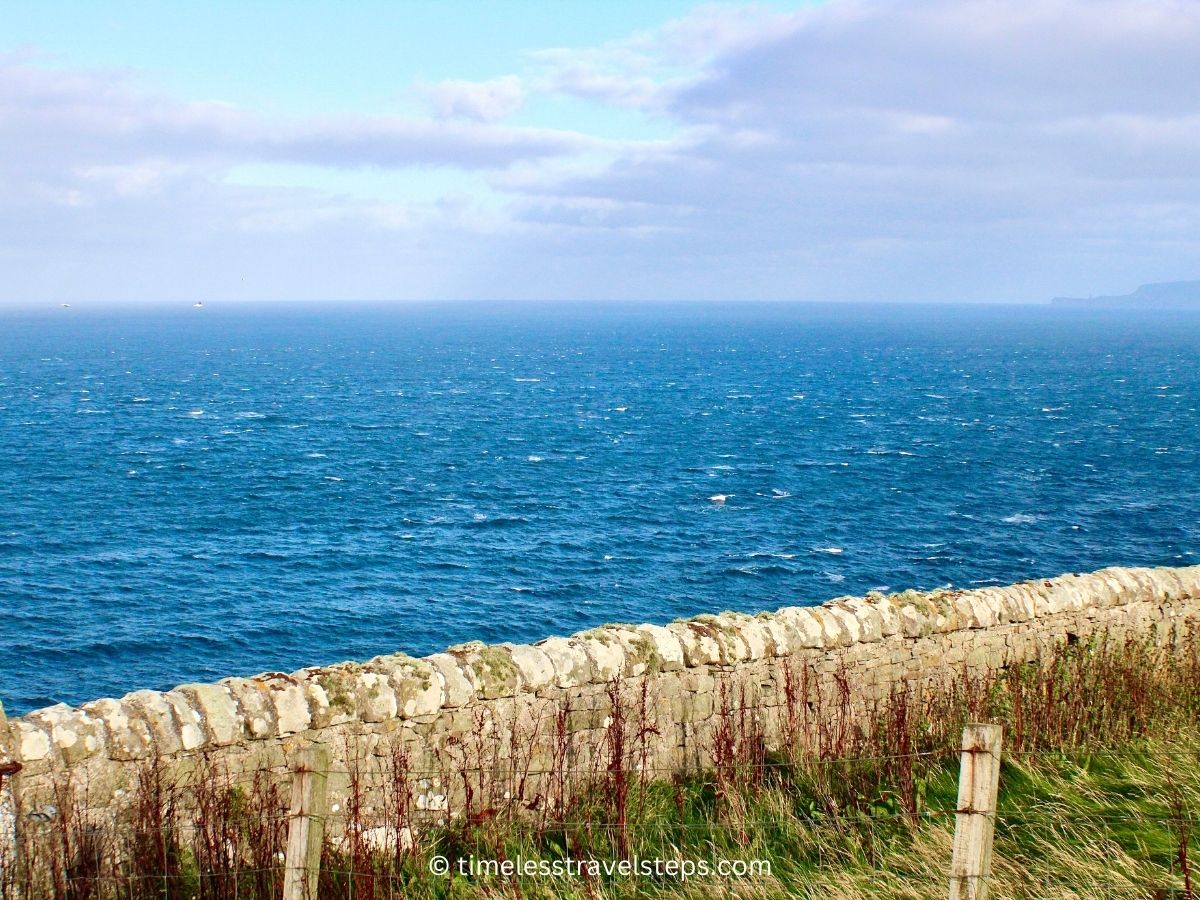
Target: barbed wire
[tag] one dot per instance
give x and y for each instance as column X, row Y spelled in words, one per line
column 517, row 768
column 847, row 814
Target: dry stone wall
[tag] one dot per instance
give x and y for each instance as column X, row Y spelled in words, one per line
column 499, row 699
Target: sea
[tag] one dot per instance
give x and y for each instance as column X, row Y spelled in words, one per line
column 189, row 493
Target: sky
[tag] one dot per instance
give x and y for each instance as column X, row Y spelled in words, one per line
column 890, row 150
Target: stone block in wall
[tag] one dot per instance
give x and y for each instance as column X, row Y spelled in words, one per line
column 757, row 638
column 586, row 719
column 533, row 665
column 1102, row 591
column 698, row 642
column 1138, row 589
column 1019, row 598
column 75, row 734
column 457, row 689
column 692, row 707
column 332, row 694
column 1170, row 586
column 779, row 638
column 732, row 646
column 1156, row 588
column 847, row 621
column 128, row 735
column 290, row 700
column 418, row 688
column 889, row 615
column 1091, row 593
column 495, row 673
column 187, row 720
column 1127, row 586
column 572, row 666
column 699, row 680
column 805, row 629
column 455, row 723
column 375, row 697
column 1010, row 607
column 1189, row 580
column 914, row 623
column 984, row 613
column 258, row 713
column 666, row 646
column 833, row 629
column 1077, row 600
column 638, row 652
column 31, row 742
column 945, row 618
column 965, row 613
column 221, row 719
column 870, row 620
column 159, row 715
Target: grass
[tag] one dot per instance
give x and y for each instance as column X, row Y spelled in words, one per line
column 1099, row 788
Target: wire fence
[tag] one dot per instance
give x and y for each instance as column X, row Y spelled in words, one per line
column 380, row 850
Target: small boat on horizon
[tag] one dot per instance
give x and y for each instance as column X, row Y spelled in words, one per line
column 199, row 304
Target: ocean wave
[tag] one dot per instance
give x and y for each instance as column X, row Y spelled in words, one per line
column 498, row 522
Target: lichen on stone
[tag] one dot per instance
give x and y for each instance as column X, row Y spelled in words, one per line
column 339, row 691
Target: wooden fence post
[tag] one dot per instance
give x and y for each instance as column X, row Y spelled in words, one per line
column 306, row 828
column 978, row 781
column 9, row 767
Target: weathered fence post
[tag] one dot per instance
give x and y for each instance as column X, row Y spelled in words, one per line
column 9, row 767
column 306, row 828
column 978, row 781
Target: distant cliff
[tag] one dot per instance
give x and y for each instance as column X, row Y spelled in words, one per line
column 1164, row 295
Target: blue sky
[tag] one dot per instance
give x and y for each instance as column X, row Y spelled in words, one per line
column 848, row 150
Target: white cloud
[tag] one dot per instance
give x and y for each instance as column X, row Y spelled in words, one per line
column 99, row 116
column 645, row 69
column 481, row 101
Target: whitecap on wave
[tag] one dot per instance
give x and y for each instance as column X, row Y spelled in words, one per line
column 833, row 550
column 1020, row 519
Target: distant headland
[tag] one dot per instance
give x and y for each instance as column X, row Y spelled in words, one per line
column 1163, row 295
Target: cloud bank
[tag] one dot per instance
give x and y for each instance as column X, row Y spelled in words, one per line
column 974, row 150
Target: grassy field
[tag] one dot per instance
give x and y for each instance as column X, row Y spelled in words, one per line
column 1099, row 791
column 1081, row 824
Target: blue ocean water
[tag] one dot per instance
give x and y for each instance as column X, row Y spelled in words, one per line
column 188, row 494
